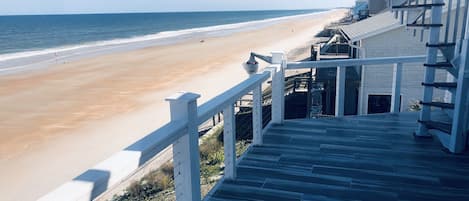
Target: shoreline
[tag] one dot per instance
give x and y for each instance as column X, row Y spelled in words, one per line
column 73, row 110
column 11, row 63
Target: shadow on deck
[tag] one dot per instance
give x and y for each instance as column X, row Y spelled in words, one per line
column 371, row 157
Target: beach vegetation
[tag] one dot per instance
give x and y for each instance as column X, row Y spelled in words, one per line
column 158, row 185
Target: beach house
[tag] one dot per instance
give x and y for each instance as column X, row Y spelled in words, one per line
column 392, row 156
column 381, row 36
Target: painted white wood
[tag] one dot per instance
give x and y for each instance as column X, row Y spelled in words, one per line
column 460, row 126
column 396, row 88
column 115, row 169
column 340, row 91
column 377, row 79
column 278, row 87
column 229, row 139
column 432, row 56
column 355, row 62
column 217, row 104
column 186, row 159
column 257, row 115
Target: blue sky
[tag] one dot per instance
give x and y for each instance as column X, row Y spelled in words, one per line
column 11, row 7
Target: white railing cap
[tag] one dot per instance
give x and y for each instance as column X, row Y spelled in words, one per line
column 183, row 96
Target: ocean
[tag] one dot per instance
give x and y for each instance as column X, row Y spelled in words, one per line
column 31, row 39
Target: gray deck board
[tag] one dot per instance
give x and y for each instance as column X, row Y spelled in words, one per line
column 371, row 157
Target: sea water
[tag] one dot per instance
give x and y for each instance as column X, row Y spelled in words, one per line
column 35, row 39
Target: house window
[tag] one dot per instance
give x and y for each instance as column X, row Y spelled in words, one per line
column 379, row 104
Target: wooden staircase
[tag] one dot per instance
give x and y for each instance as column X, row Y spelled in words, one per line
column 447, row 50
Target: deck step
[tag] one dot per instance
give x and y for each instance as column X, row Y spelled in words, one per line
column 441, row 45
column 441, row 126
column 424, row 25
column 418, row 6
column 438, row 104
column 441, row 84
column 440, row 65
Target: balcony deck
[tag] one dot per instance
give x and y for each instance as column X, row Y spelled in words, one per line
column 371, row 157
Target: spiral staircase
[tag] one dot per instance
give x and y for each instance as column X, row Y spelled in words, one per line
column 445, row 24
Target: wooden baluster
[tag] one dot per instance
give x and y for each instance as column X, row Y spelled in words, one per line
column 340, row 91
column 396, row 88
column 229, row 140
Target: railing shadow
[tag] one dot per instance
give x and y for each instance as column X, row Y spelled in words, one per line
column 99, row 179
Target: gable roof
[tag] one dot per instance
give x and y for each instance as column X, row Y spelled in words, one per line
column 371, row 26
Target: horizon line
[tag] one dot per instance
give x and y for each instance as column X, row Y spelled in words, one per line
column 151, row 12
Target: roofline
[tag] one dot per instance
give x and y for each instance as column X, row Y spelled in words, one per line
column 374, row 33
column 344, row 34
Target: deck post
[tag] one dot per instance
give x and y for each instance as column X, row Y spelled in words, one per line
column 432, row 54
column 183, row 107
column 396, row 88
column 257, row 115
column 279, row 62
column 340, row 91
column 229, row 139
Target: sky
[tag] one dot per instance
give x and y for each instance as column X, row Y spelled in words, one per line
column 15, row 7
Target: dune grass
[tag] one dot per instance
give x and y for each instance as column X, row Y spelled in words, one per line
column 158, row 185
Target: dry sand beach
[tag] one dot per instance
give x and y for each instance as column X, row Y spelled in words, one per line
column 58, row 121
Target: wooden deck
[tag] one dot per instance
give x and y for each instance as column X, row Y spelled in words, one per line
column 372, row 158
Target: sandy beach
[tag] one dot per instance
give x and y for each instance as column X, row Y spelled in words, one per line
column 58, row 121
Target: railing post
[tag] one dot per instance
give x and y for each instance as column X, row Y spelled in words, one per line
column 257, row 115
column 278, row 87
column 229, row 139
column 340, row 91
column 396, row 88
column 186, row 161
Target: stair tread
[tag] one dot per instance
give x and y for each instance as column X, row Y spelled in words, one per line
column 440, row 64
column 441, row 126
column 441, row 84
column 441, row 45
column 419, row 5
column 439, row 104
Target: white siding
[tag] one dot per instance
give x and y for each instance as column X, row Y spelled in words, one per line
column 377, row 80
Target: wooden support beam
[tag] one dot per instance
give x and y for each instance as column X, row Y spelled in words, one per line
column 432, row 56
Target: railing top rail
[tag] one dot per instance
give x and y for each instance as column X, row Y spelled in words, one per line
column 355, row 62
column 217, row 104
column 119, row 166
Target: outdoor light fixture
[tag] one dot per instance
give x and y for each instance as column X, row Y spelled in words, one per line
column 251, row 66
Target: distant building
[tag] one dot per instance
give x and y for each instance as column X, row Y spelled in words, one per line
column 360, row 11
column 377, row 6
column 383, row 36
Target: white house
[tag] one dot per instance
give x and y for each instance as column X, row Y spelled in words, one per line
column 384, row 36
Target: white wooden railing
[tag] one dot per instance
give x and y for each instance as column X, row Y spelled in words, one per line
column 342, row 65
column 182, row 133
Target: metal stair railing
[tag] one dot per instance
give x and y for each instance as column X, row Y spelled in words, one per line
column 447, row 39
